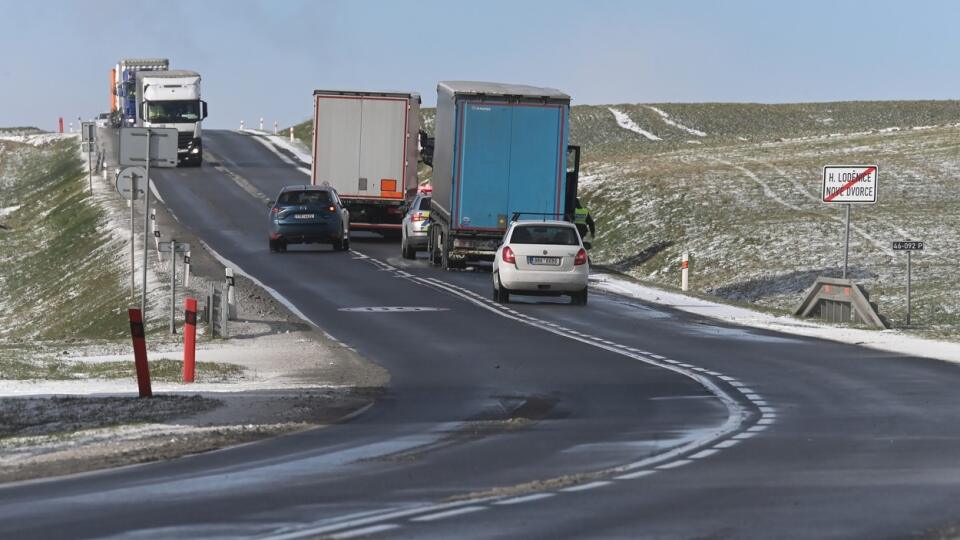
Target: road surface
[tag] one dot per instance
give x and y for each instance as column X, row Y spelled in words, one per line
column 533, row 420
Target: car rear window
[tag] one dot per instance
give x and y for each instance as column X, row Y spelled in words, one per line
column 424, row 204
column 556, row 235
column 288, row 198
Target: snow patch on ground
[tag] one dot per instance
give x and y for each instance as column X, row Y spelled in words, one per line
column 885, row 340
column 624, row 121
column 4, row 212
column 39, row 139
column 674, row 123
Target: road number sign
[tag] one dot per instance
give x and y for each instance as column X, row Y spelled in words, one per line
column 908, row 246
column 855, row 184
column 131, row 182
column 167, row 247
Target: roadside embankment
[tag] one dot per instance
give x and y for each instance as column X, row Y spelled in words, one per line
column 67, row 389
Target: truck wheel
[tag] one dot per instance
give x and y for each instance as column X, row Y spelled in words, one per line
column 273, row 246
column 435, row 252
column 444, row 253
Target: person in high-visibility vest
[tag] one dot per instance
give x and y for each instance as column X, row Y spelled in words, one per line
column 584, row 221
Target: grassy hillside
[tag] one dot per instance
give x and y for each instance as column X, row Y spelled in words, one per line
column 737, row 185
column 57, row 270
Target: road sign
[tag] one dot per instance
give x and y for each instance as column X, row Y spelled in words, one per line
column 88, row 132
column 850, row 184
column 131, row 182
column 87, row 147
column 908, row 245
column 163, row 146
column 166, row 247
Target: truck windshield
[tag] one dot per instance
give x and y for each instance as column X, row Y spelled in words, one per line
column 173, row 112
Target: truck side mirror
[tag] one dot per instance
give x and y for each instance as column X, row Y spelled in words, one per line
column 143, row 111
column 203, row 109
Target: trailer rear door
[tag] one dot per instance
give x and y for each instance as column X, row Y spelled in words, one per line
column 536, row 159
column 383, row 137
column 482, row 185
column 337, row 143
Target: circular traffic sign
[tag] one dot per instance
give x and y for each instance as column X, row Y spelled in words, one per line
column 131, row 182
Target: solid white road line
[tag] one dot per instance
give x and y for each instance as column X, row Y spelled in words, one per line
column 366, row 531
column 704, row 453
column 525, row 498
column 585, row 487
column 449, row 513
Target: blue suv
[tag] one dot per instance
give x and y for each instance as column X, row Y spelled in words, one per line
column 308, row 215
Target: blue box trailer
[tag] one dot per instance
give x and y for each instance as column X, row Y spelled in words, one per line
column 499, row 150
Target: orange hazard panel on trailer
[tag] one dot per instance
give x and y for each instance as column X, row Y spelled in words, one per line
column 388, row 189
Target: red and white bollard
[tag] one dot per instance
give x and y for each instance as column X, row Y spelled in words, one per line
column 140, row 352
column 61, row 124
column 685, row 272
column 189, row 339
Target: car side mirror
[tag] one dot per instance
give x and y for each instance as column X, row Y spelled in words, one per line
column 587, row 245
column 271, row 202
column 404, row 209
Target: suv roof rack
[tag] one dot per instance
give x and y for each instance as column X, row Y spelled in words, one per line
column 516, row 215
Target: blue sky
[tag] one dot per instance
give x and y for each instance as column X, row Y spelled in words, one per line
column 264, row 58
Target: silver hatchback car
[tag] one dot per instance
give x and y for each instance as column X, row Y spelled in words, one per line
column 415, row 226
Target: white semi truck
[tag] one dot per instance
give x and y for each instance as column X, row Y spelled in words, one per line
column 365, row 146
column 171, row 99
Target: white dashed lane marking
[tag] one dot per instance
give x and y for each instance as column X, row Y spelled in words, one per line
column 631, row 476
column 525, row 498
column 449, row 513
column 366, row 531
column 674, row 464
column 585, row 487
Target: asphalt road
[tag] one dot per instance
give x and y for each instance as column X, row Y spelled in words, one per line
column 539, row 420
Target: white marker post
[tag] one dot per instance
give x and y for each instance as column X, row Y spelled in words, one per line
column 261, row 123
column 186, row 270
column 231, row 295
column 274, row 127
column 685, row 272
column 850, row 184
column 291, row 134
column 241, row 125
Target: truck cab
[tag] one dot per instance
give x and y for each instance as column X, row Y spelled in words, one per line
column 171, row 99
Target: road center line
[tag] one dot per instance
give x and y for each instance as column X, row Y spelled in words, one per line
column 449, row 513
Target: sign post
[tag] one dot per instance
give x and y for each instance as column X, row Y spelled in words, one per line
column 850, row 184
column 909, row 247
column 147, row 146
column 129, row 186
column 88, row 135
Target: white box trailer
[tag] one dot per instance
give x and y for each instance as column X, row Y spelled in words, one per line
column 365, row 147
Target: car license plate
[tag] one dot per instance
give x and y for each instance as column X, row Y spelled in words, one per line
column 544, row 261
column 304, row 216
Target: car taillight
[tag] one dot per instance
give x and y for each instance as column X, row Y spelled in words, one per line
column 418, row 217
column 508, row 256
column 581, row 258
column 275, row 210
